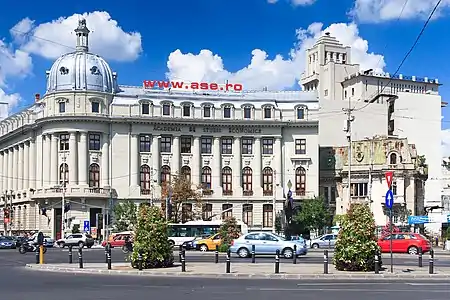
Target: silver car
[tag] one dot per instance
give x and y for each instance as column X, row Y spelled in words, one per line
column 267, row 243
column 324, row 241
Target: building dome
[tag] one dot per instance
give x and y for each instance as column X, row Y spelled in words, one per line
column 81, row 70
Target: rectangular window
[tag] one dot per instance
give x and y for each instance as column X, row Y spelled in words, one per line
column 64, row 142
column 300, row 146
column 227, row 145
column 186, row 212
column 207, row 112
column 166, row 144
column 359, row 189
column 186, row 111
column 267, row 113
column 247, row 214
column 166, row 109
column 227, row 112
column 186, row 144
column 62, row 107
column 145, row 143
column 95, row 107
column 267, row 215
column 145, row 108
column 326, row 93
column 247, row 112
column 94, row 141
column 206, row 211
column 206, row 145
column 300, row 113
column 247, row 146
column 267, row 146
column 227, row 211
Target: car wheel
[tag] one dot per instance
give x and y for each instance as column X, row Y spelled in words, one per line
column 80, row 244
column 287, row 253
column 203, row 248
column 315, row 246
column 413, row 250
column 243, row 253
column 172, row 243
column 62, row 244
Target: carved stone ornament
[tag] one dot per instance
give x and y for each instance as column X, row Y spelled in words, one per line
column 226, row 162
column 185, row 161
column 64, row 70
column 247, row 163
column 206, row 162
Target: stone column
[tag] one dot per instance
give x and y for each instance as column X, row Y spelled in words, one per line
column 175, row 167
column 26, row 165
column 216, row 174
column 54, row 161
column 196, row 161
column 257, row 177
column 134, row 160
column 2, row 172
column 10, row 169
column 156, row 157
column 46, row 160
column 20, row 166
column 105, row 161
column 39, row 159
column 32, row 164
column 15, row 168
column 82, row 160
column 73, row 176
column 237, row 166
column 277, row 164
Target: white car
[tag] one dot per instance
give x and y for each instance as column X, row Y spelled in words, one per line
column 76, row 239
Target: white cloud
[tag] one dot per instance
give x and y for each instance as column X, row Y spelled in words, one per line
column 374, row 11
column 55, row 38
column 295, row 2
column 445, row 142
column 275, row 74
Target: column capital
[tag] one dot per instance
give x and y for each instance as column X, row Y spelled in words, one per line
column 73, row 134
column 83, row 133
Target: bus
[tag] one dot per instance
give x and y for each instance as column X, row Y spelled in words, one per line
column 189, row 231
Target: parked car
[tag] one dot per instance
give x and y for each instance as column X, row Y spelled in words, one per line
column 48, row 241
column 76, row 239
column 208, row 243
column 267, row 243
column 6, row 243
column 324, row 241
column 20, row 240
column 405, row 243
column 117, row 240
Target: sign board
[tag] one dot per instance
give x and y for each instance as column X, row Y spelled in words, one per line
column 389, row 176
column 86, row 226
column 389, row 199
column 412, row 220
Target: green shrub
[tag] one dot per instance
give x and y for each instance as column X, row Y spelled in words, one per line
column 229, row 230
column 356, row 245
column 223, row 248
column 151, row 239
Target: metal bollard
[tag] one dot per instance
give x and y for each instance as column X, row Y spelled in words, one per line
column 325, row 261
column 70, row 254
column 37, row 255
column 294, row 257
column 183, row 261
column 420, row 257
column 329, row 244
column 431, row 265
column 377, row 263
column 80, row 257
column 216, row 255
column 228, row 264
column 109, row 259
column 253, row 254
column 106, row 253
column 140, row 261
column 277, row 261
column 180, row 252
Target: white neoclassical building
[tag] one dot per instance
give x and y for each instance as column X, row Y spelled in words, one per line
column 92, row 142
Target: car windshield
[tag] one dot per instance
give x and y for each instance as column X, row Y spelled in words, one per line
column 279, row 237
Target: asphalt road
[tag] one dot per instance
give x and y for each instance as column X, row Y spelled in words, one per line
column 57, row 255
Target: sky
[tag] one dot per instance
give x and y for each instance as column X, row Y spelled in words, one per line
column 258, row 43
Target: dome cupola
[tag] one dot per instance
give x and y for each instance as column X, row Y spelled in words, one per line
column 81, row 70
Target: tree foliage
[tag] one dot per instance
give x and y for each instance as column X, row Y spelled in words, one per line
column 229, row 230
column 125, row 215
column 314, row 214
column 151, row 239
column 186, row 200
column 356, row 245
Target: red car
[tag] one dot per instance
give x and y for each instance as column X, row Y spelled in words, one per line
column 117, row 240
column 405, row 242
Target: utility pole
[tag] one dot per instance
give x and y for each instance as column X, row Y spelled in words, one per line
column 348, row 129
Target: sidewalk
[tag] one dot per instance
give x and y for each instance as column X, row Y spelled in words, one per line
column 248, row 270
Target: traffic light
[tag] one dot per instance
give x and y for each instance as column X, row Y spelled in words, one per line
column 66, row 207
column 5, row 213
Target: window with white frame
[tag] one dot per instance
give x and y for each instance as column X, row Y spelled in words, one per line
column 227, row 112
column 267, row 112
column 166, row 107
column 145, row 108
column 359, row 189
column 207, row 111
column 186, row 110
column 247, row 112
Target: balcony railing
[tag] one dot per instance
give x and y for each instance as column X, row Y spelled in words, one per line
column 267, row 193
column 58, row 191
column 227, row 193
column 248, row 193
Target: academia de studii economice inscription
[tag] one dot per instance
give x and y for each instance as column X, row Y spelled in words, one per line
column 208, row 130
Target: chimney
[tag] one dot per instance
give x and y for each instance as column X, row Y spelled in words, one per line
column 37, row 97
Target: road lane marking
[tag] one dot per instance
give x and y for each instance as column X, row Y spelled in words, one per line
column 446, row 291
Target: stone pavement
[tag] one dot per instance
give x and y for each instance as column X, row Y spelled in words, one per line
column 248, row 270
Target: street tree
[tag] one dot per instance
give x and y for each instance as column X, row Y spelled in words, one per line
column 314, row 214
column 186, row 200
column 229, row 230
column 125, row 215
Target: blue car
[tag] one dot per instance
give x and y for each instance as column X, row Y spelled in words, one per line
column 7, row 243
column 267, row 243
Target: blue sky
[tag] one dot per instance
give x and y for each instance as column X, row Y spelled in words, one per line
column 144, row 46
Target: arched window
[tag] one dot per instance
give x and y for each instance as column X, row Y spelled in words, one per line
column 267, row 181
column 94, row 175
column 227, row 179
column 64, row 174
column 393, row 159
column 247, row 214
column 300, row 181
column 145, row 180
column 206, row 180
column 165, row 174
column 186, row 173
column 247, row 181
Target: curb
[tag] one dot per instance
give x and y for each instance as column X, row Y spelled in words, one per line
column 387, row 276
